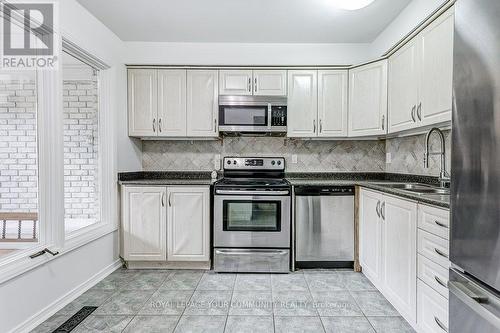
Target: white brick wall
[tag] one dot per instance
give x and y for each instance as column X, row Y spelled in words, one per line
column 18, row 148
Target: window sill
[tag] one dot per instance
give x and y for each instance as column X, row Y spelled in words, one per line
column 21, row 263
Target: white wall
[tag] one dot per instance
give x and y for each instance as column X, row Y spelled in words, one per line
column 406, row 21
column 151, row 53
column 29, row 294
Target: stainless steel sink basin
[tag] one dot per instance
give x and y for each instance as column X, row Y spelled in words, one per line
column 430, row 190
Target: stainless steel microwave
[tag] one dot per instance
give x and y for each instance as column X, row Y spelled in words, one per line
column 252, row 114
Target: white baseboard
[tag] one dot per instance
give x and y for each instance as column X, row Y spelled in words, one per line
column 64, row 300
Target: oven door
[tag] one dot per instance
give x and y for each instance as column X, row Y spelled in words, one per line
column 244, row 118
column 255, row 221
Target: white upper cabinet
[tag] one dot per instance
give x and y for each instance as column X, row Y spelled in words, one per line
column 144, row 223
column 202, row 103
column 332, row 103
column 400, row 255
column 188, row 226
column 420, row 78
column 302, row 103
column 403, row 87
column 252, row 82
column 269, row 82
column 142, row 102
column 171, row 103
column 235, row 82
column 436, row 71
column 368, row 99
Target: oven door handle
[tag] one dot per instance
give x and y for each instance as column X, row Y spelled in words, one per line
column 274, row 193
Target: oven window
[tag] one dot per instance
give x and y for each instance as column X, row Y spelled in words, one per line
column 244, row 115
column 240, row 215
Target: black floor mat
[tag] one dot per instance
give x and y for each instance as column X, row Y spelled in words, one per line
column 75, row 319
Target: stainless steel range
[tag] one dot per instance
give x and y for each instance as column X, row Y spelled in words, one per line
column 252, row 216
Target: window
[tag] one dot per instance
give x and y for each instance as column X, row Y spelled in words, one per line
column 19, row 222
column 81, row 144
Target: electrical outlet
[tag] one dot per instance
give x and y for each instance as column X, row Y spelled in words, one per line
column 217, row 162
column 388, row 158
column 294, row 159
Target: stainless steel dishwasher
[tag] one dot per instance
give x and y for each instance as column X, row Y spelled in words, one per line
column 324, row 222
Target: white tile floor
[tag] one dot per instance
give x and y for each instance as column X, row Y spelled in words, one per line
column 197, row 301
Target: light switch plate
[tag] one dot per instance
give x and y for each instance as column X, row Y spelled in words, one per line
column 388, row 158
column 294, row 159
column 217, row 162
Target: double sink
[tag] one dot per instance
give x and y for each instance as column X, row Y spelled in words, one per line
column 417, row 188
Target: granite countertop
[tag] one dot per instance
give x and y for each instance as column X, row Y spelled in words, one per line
column 165, row 178
column 374, row 181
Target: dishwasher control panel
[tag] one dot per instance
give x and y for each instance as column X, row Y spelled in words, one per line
column 324, row 190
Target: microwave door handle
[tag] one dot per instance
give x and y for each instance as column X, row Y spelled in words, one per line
column 269, row 115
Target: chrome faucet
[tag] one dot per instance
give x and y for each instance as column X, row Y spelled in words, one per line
column 444, row 176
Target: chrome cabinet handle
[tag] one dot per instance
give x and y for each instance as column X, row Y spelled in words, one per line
column 255, row 88
column 169, row 202
column 215, row 125
column 377, row 209
column 441, row 224
column 419, row 111
column 438, row 280
column 382, row 210
column 249, row 85
column 159, row 125
column 383, row 122
column 154, row 125
column 314, row 125
column 413, row 113
column 320, row 125
column 162, row 199
column 441, row 253
column 440, row 324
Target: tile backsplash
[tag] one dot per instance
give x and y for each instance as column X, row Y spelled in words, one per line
column 407, row 154
column 312, row 155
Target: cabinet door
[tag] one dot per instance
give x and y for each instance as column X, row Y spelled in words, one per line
column 142, row 102
column 202, row 103
column 400, row 254
column 302, row 103
column 370, row 236
column 332, row 103
column 188, row 223
column 144, row 223
column 269, row 82
column 171, row 102
column 436, row 70
column 368, row 99
column 432, row 310
column 403, row 87
column 235, row 82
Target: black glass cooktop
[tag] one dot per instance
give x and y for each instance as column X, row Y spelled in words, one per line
column 252, row 182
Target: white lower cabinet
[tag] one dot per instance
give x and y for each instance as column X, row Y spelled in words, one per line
column 144, row 223
column 432, row 310
column 188, row 223
column 166, row 224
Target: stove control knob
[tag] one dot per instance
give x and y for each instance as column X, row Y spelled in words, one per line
column 228, row 162
column 273, row 162
column 234, row 161
column 279, row 162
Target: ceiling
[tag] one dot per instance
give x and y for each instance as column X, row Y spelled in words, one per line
column 243, row 21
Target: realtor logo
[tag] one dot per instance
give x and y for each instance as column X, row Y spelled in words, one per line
column 28, row 35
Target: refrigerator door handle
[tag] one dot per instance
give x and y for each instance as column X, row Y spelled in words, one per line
column 488, row 307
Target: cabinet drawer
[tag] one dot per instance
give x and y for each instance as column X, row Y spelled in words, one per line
column 432, row 310
column 433, row 274
column 434, row 248
column 434, row 220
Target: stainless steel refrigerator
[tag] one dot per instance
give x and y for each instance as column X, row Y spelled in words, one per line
column 475, row 201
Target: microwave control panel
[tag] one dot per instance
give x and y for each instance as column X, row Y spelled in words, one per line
column 278, row 116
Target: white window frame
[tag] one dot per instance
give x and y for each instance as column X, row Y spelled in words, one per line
column 50, row 140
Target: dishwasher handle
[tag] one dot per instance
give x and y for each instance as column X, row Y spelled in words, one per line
column 324, row 190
